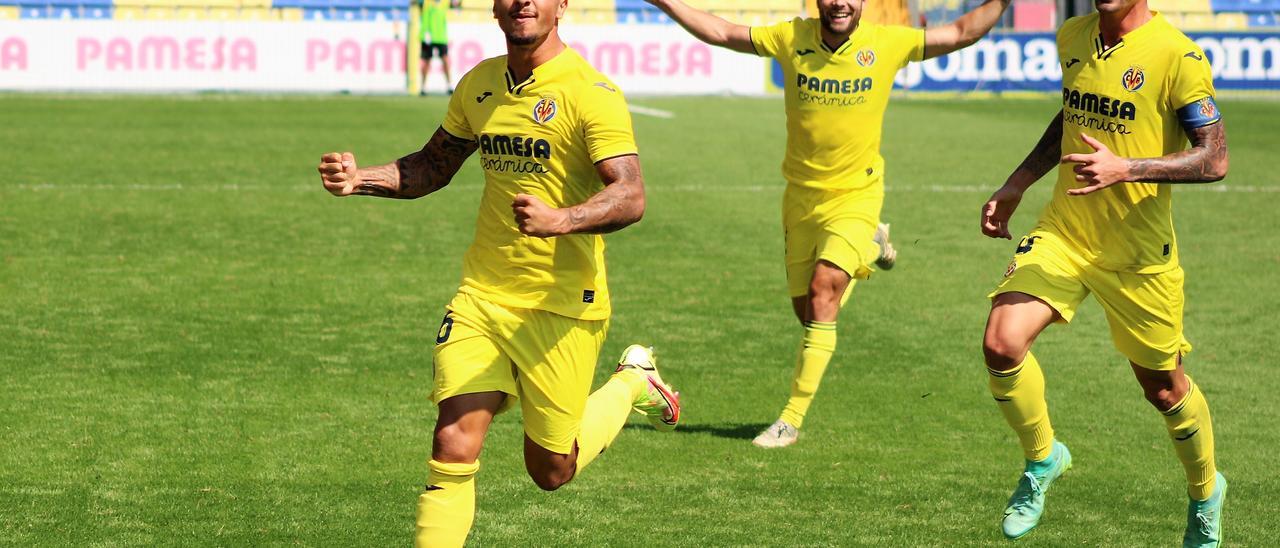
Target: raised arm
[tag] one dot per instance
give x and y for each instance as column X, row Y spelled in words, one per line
column 619, row 205
column 412, row 176
column 1205, row 162
column 1043, row 157
column 706, row 27
column 965, row 31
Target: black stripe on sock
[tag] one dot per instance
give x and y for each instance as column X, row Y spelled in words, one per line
column 1188, row 436
column 1178, row 408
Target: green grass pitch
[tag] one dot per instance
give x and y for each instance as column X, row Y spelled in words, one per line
column 199, row 346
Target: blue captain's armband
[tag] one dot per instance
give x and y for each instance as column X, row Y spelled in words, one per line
column 1199, row 114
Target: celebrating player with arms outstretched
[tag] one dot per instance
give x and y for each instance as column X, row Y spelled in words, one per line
column 838, row 73
column 527, row 324
column 1134, row 89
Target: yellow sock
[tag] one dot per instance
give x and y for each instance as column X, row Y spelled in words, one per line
column 606, row 412
column 448, row 506
column 815, row 353
column 1019, row 392
column 1191, row 429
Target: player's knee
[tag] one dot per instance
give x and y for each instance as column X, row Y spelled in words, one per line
column 828, row 283
column 1001, row 351
column 1163, row 398
column 551, row 476
column 824, row 294
column 454, row 444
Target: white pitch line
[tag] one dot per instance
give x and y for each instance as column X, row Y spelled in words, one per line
column 654, row 112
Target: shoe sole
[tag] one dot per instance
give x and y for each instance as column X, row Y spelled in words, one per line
column 788, row 444
column 673, row 402
column 1222, row 535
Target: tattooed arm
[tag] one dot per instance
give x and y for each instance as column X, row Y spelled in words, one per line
column 1205, row 162
column 412, row 176
column 1043, row 157
column 620, row 204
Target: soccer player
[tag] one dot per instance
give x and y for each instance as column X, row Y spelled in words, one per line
column 1134, row 90
column 838, row 74
column 434, row 35
column 526, row 326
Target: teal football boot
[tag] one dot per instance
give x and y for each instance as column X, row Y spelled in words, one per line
column 1027, row 503
column 1204, row 518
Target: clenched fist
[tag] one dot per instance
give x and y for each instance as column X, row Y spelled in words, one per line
column 998, row 210
column 339, row 173
column 535, row 218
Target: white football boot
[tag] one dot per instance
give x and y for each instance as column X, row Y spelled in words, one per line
column 779, row 434
column 888, row 255
column 659, row 402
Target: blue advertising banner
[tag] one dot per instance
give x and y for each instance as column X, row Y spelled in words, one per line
column 1029, row 62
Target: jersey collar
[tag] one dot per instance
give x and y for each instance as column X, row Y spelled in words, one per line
column 1103, row 53
column 843, row 48
column 545, row 72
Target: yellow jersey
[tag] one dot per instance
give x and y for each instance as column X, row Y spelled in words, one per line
column 1127, row 97
column 540, row 137
column 836, row 99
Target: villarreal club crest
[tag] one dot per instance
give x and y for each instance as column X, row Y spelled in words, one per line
column 866, row 58
column 1208, row 109
column 545, row 110
column 1133, row 78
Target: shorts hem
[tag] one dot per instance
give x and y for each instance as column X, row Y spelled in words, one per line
column 437, row 397
column 559, row 450
column 1168, row 364
column 1065, row 313
column 862, row 272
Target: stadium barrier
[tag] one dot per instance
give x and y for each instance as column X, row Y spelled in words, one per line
column 322, row 56
column 1029, row 62
column 371, row 57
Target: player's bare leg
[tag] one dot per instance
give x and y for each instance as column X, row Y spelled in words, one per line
column 1017, row 384
column 448, row 78
column 1015, row 321
column 548, row 469
column 826, row 292
column 817, row 311
column 424, row 66
column 446, row 508
column 634, row 386
column 1186, row 415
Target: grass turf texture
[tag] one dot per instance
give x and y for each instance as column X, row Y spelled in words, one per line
column 198, row 346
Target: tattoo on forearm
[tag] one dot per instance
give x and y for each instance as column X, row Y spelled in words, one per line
column 621, row 203
column 420, row 173
column 1047, row 152
column 1205, row 161
column 378, row 181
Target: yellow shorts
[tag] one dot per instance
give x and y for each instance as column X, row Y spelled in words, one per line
column 837, row 226
column 544, row 360
column 1143, row 310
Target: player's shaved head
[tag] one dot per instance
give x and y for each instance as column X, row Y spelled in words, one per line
column 840, row 17
column 528, row 22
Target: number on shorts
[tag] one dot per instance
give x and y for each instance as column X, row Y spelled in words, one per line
column 446, row 328
column 1025, row 245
